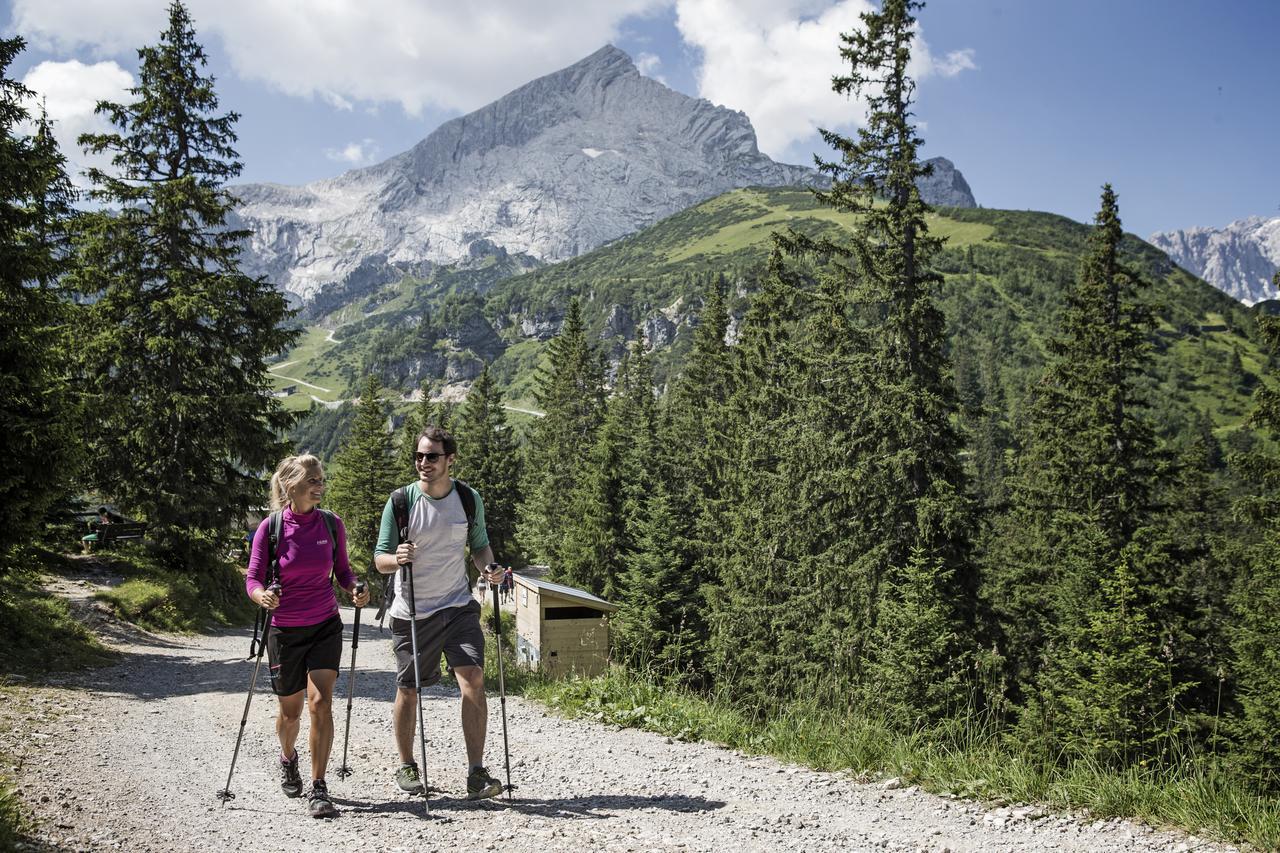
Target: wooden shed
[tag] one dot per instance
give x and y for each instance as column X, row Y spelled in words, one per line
column 560, row 629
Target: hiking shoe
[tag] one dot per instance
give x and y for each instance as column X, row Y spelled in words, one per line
column 408, row 779
column 480, row 785
column 318, row 802
column 290, row 781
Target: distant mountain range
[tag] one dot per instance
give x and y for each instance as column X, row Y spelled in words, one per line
column 560, row 166
column 1240, row 259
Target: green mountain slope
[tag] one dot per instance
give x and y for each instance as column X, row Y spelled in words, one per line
column 1006, row 273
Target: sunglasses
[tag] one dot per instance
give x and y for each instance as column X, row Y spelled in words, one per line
column 432, row 457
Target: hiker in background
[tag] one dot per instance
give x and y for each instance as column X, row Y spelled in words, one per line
column 508, row 585
column 304, row 645
column 444, row 614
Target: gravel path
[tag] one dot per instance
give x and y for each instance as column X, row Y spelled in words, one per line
column 128, row 757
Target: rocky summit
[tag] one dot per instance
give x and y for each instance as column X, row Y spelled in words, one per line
column 554, row 169
column 1240, row 259
column 559, row 167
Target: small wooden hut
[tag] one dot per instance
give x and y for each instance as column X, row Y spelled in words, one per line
column 560, row 629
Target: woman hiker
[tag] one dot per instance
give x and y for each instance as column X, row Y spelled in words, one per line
column 304, row 645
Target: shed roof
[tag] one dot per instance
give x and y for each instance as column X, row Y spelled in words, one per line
column 580, row 595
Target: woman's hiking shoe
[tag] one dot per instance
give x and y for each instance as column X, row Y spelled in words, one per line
column 480, row 785
column 318, row 802
column 408, row 779
column 290, row 780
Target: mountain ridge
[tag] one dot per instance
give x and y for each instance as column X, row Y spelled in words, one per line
column 559, row 166
column 1239, row 259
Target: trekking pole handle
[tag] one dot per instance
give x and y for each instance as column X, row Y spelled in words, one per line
column 273, row 589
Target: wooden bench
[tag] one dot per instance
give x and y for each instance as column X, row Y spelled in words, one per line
column 110, row 534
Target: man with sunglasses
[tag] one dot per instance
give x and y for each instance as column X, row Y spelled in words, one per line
column 445, row 615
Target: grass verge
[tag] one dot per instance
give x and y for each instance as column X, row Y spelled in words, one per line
column 37, row 630
column 162, row 597
column 13, row 821
column 964, row 759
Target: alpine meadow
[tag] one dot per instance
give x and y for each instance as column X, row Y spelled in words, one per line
column 985, row 501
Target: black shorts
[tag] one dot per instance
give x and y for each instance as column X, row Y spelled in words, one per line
column 293, row 652
column 454, row 631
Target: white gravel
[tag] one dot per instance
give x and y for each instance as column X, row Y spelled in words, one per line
column 129, row 757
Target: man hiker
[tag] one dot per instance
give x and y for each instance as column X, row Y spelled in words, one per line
column 445, row 615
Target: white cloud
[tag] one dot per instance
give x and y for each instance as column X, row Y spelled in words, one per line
column 360, row 153
column 774, row 60
column 648, row 63
column 456, row 56
column 70, row 91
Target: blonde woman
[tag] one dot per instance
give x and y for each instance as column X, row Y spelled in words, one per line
column 304, row 645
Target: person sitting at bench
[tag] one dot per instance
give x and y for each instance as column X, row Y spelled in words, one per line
column 105, row 517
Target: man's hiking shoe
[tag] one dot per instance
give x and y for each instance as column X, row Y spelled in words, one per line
column 318, row 802
column 408, row 779
column 480, row 785
column 290, row 781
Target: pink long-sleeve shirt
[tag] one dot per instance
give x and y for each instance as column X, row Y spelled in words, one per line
column 306, row 558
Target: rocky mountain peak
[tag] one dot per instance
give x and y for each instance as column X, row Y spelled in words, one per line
column 1239, row 259
column 557, row 167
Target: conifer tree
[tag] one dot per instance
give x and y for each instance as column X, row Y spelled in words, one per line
column 1088, row 453
column 364, row 472
column 571, row 395
column 37, row 406
column 1256, row 598
column 608, row 497
column 752, row 654
column 489, row 460
column 892, row 476
column 174, row 359
column 665, row 614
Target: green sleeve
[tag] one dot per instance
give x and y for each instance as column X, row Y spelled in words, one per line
column 388, row 536
column 479, row 535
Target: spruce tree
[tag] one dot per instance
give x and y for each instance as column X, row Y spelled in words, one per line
column 364, row 472
column 489, row 460
column 888, row 494
column 678, row 531
column 752, row 652
column 1256, row 598
column 40, row 440
column 175, row 354
column 571, row 394
column 609, row 494
column 1088, row 452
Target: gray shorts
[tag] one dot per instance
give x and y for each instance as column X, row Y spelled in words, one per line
column 454, row 631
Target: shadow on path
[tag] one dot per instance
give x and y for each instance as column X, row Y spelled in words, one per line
column 599, row 806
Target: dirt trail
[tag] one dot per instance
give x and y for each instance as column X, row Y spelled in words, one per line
column 129, row 757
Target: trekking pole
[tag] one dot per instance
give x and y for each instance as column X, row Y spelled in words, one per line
column 344, row 771
column 502, row 685
column 417, row 681
column 225, row 794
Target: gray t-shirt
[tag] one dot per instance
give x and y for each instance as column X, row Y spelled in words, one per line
column 438, row 531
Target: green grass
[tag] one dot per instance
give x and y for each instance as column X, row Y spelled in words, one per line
column 37, row 630
column 13, row 820
column 965, row 758
column 163, row 598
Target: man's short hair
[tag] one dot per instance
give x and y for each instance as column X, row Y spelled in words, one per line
column 440, row 436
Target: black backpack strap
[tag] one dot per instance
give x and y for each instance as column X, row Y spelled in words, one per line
column 467, row 495
column 275, row 531
column 399, row 511
column 275, row 526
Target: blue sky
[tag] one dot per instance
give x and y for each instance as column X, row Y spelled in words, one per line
column 1175, row 102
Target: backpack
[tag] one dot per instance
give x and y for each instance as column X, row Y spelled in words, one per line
column 400, row 509
column 274, row 528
